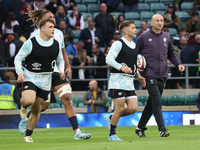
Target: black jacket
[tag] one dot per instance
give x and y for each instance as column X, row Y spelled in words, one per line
column 26, row 25
column 85, row 35
column 129, row 2
column 4, row 52
column 3, row 13
column 110, row 23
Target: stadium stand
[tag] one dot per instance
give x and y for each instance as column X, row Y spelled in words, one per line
column 121, row 7
column 143, row 7
column 157, row 7
column 108, row 104
column 167, row 2
column 88, row 2
column 146, row 15
column 58, row 100
column 85, row 14
column 164, row 100
column 132, row 16
column 142, row 99
column 151, row 1
column 54, row 106
column 82, row 8
column 160, row 12
column 109, row 100
column 76, row 33
column 77, row 100
column 81, row 105
column 78, row 2
column 140, row 104
column 116, row 13
column 174, row 100
column 93, row 8
column 95, row 14
column 190, row 99
column 137, row 24
column 172, row 32
column 187, row 6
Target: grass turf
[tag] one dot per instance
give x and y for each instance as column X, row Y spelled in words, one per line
column 181, row 138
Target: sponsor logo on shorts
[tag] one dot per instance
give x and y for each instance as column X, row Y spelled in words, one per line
column 120, row 93
column 26, row 87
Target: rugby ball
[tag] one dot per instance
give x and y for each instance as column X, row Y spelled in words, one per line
column 141, row 62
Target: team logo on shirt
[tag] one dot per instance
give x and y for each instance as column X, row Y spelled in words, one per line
column 36, row 66
column 150, row 40
column 164, row 39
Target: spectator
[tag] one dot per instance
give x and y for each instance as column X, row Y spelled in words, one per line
column 69, row 4
column 189, row 55
column 111, row 4
column 144, row 27
column 183, row 42
column 26, row 23
column 107, row 29
column 181, row 33
column 95, row 98
column 89, row 18
column 52, row 6
column 171, row 20
column 115, row 21
column 196, row 5
column 37, row 4
column 112, row 41
column 3, row 13
column 71, row 49
column 60, row 14
column 2, row 72
column 14, row 6
column 192, row 26
column 130, row 5
column 19, row 33
column 106, row 51
column 80, row 60
column 67, row 32
column 76, row 19
column 98, row 60
column 116, row 35
column 9, row 95
column 197, row 47
column 4, row 53
column 198, row 101
column 120, row 20
column 7, row 27
column 91, row 36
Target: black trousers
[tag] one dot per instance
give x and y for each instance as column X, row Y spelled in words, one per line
column 155, row 89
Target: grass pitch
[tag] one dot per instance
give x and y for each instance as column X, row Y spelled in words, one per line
column 181, row 138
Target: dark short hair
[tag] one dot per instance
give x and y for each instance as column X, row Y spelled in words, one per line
column 6, row 79
column 194, row 13
column 97, row 46
column 62, row 20
column 44, row 21
column 125, row 24
column 144, row 21
column 165, row 29
column 182, row 29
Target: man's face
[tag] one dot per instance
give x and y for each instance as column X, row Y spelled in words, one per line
column 79, row 47
column 62, row 25
column 195, row 18
column 75, row 10
column 197, row 38
column 131, row 29
column 91, row 26
column 91, row 86
column 183, row 41
column 50, row 16
column 94, row 49
column 157, row 22
column 103, row 8
column 182, row 33
column 143, row 25
column 48, row 29
column 60, row 9
column 117, row 36
column 89, row 18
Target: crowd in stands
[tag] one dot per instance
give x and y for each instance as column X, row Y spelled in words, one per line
column 89, row 35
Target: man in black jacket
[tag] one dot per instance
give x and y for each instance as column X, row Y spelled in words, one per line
column 130, row 5
column 91, row 36
column 105, row 23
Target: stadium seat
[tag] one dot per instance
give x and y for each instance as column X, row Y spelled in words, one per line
column 78, row 2
column 121, row 7
column 167, row 2
column 143, row 7
column 95, row 14
column 142, row 99
column 87, row 2
column 183, row 15
column 76, row 33
column 157, row 7
column 58, row 100
column 164, row 100
column 81, row 105
column 54, row 106
column 92, row 8
column 160, row 12
column 77, row 100
column 174, row 100
column 75, row 105
column 102, row 49
column 172, row 31
column 108, row 104
column 132, row 16
column 75, row 40
column 140, row 104
column 82, row 8
column 146, row 15
column 151, row 1
column 85, row 14
column 137, row 24
column 116, row 14
column 187, row 6
column 190, row 99
column 109, row 100
column 149, row 23
column 141, row 1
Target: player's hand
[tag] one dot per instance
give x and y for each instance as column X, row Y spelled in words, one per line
column 68, row 72
column 90, row 101
column 181, row 68
column 89, row 40
column 21, row 78
column 140, row 70
column 126, row 69
column 62, row 75
column 142, row 81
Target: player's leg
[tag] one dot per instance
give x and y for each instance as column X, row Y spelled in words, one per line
column 119, row 108
column 35, row 113
column 63, row 88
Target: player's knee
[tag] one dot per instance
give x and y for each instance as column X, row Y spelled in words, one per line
column 67, row 100
column 133, row 110
column 45, row 106
column 27, row 101
column 36, row 110
column 120, row 109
